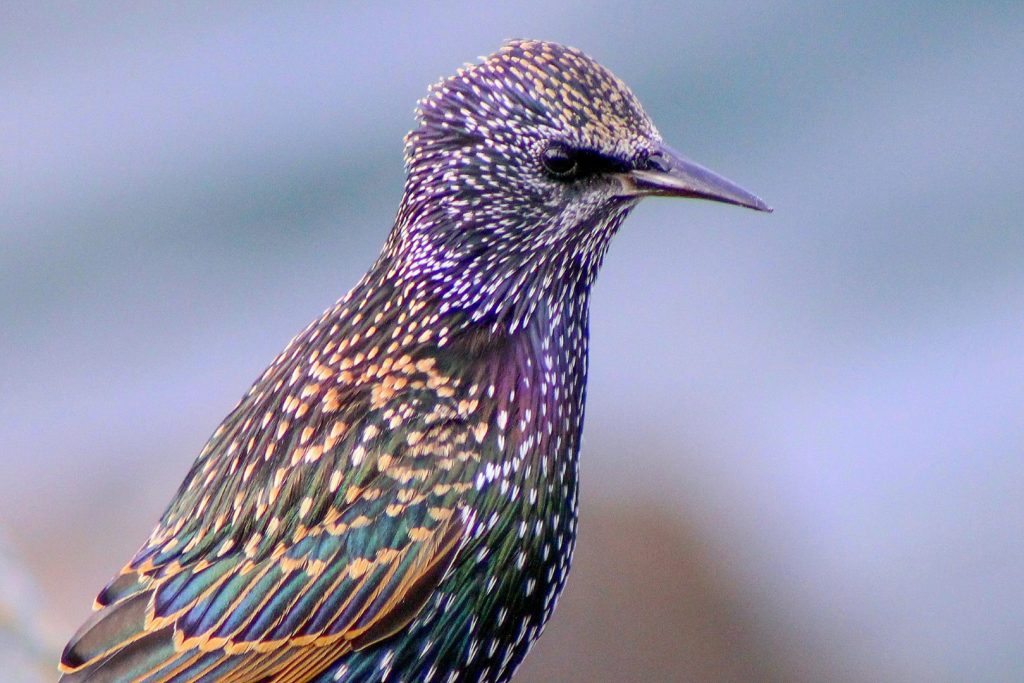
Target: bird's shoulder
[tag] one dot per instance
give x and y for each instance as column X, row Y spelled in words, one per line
column 323, row 510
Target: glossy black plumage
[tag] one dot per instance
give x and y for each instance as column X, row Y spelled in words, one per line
column 395, row 498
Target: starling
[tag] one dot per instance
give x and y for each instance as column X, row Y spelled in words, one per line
column 395, row 498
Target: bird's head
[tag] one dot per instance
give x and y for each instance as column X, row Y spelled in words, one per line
column 530, row 159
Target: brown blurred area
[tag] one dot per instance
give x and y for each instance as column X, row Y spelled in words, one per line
column 647, row 600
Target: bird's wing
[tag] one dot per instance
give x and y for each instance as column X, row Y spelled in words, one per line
column 276, row 566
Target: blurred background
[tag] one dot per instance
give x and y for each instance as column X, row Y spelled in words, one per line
column 804, row 452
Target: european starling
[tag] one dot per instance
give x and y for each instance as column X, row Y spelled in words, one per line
column 395, row 498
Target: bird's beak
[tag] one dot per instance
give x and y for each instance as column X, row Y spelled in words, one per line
column 670, row 175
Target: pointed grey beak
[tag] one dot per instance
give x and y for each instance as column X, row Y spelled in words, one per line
column 670, row 175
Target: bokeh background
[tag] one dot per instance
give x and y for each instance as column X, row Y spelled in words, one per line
column 804, row 452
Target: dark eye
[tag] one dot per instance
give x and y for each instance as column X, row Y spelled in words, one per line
column 657, row 161
column 559, row 162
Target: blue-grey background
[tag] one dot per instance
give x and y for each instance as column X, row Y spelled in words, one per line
column 804, row 453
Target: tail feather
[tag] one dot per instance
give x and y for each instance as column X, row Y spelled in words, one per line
column 107, row 630
column 131, row 662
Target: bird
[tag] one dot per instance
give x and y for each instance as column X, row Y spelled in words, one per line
column 396, row 497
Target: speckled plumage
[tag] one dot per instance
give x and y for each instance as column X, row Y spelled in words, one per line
column 395, row 498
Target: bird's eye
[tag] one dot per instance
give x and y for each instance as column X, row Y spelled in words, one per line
column 657, row 161
column 559, row 162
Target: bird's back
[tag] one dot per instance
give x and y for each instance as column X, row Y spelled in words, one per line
column 388, row 494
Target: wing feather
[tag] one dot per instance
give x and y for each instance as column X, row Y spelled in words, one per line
column 292, row 591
